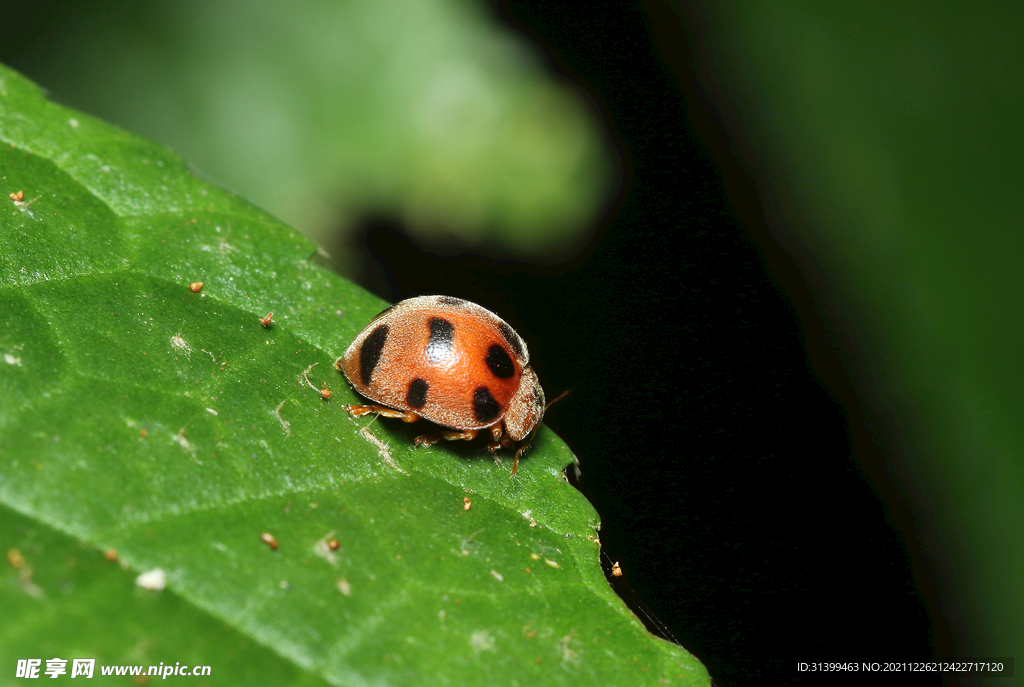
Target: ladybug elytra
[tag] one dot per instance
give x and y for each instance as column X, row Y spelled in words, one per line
column 449, row 361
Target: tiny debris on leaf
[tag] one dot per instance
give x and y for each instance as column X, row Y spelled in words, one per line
column 265, row 321
column 305, row 375
column 466, row 503
column 15, row 558
column 344, row 587
column 325, row 546
column 153, row 580
column 285, row 425
column 382, row 448
column 18, row 196
column 179, row 344
column 195, row 287
column 268, row 539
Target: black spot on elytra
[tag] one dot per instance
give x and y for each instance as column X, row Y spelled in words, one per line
column 417, row 396
column 369, row 354
column 499, row 362
column 484, row 406
column 450, row 300
column 513, row 339
column 439, row 345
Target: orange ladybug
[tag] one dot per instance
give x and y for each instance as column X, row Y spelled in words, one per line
column 449, row 361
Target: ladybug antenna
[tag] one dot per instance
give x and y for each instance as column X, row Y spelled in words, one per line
column 560, row 397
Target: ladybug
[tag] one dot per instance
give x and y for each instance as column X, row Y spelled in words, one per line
column 449, row 361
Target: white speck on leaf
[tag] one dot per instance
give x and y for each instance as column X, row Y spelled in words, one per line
column 154, row 580
column 481, row 640
column 180, row 439
column 344, row 587
column 567, row 653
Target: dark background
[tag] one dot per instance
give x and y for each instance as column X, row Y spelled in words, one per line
column 720, row 463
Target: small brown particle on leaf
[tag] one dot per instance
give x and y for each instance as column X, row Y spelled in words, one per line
column 110, row 555
column 333, row 545
column 325, row 394
column 195, row 287
column 265, row 321
column 466, row 503
column 18, row 196
column 268, row 539
column 15, row 558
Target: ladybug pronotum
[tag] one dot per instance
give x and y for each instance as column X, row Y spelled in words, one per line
column 449, row 361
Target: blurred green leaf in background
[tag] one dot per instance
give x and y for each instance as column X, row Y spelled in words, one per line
column 324, row 112
column 885, row 141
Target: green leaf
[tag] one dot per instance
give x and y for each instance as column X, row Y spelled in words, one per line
column 172, row 427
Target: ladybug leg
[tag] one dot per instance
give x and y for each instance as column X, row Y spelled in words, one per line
column 498, row 439
column 403, row 415
column 522, row 449
column 431, row 439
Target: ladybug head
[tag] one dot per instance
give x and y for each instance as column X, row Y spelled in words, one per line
column 526, row 408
